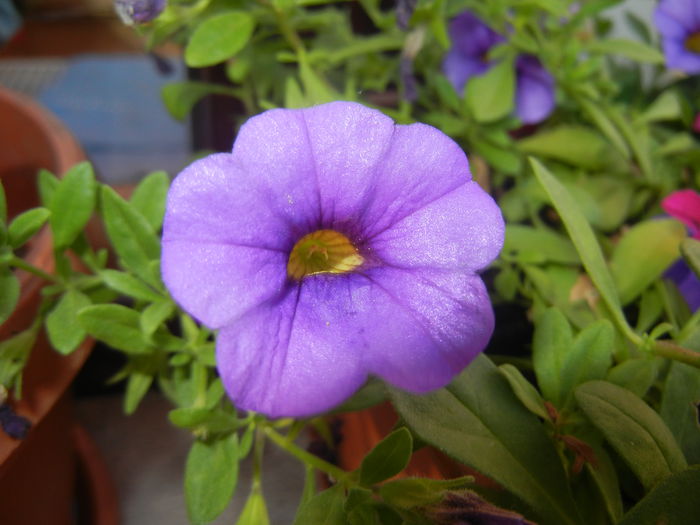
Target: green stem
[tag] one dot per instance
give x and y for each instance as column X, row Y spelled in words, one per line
column 677, row 353
column 304, row 456
column 24, row 265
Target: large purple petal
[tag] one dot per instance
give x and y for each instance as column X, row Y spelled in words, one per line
column 681, row 13
column 534, row 93
column 463, row 229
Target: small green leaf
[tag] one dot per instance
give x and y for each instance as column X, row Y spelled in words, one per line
column 180, row 97
column 116, row 325
column 672, row 501
column 636, row 375
column 136, row 388
column 316, row 89
column 9, row 284
column 325, row 508
column 679, row 398
column 417, row 492
column 3, row 205
column 255, row 511
column 490, row 96
column 62, row 326
column 633, row 429
column 388, row 458
column 576, row 145
column 211, row 474
column 219, row 38
column 47, row 185
column 656, row 242
column 154, row 315
column 550, row 345
column 72, row 204
column 583, row 238
column 690, row 249
column 525, row 392
column 25, row 225
column 128, row 285
column 149, row 198
column 629, row 49
column 605, row 125
column 538, row 245
column 131, row 235
column 666, row 107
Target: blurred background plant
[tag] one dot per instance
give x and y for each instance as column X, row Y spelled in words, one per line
column 586, row 408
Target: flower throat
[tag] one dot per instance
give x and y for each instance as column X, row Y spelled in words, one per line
column 692, row 43
column 322, row 251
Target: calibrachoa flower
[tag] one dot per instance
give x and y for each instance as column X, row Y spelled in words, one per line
column 472, row 40
column 138, row 11
column 328, row 245
column 678, row 21
column 684, row 205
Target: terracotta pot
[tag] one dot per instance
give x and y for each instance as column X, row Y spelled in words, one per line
column 39, row 474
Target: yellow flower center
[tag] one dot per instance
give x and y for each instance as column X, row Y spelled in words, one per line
column 322, row 251
column 692, row 43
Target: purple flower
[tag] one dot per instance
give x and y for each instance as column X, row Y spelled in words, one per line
column 138, row 11
column 329, row 245
column 684, row 205
column 678, row 21
column 471, row 42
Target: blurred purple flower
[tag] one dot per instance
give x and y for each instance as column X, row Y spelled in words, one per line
column 329, row 245
column 678, row 21
column 138, row 11
column 472, row 40
column 684, row 205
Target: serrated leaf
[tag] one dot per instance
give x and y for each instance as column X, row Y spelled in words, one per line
column 583, row 238
column 131, row 235
column 128, row 285
column 473, row 420
column 72, row 204
column 671, row 501
column 389, row 457
column 633, row 429
column 211, row 474
column 219, row 38
column 116, row 325
column 325, row 508
column 62, row 326
column 657, row 243
column 490, row 96
column 9, row 284
column 25, row 225
column 149, row 198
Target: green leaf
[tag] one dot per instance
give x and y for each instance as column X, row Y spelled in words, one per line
column 524, row 390
column 47, row 185
column 128, row 285
column 633, row 429
column 636, row 375
column 583, row 238
column 672, row 501
column 325, row 508
column 690, row 249
column 657, row 243
column 154, row 315
column 474, row 420
column 417, row 492
column 551, row 342
column 62, row 326
column 72, row 204
column 25, row 225
column 149, row 198
column 9, row 284
column 490, row 96
column 180, row 97
column 589, row 358
column 575, row 145
column 538, row 245
column 316, row 88
column 211, row 474
column 219, row 38
column 388, row 458
column 136, row 388
column 116, row 325
column 254, row 512
column 666, row 107
column 679, row 398
column 3, row 205
column 629, row 49
column 605, row 125
column 15, row 351
column 131, row 235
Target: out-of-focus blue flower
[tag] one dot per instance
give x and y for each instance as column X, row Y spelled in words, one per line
column 329, row 245
column 678, row 21
column 472, row 41
column 138, row 11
